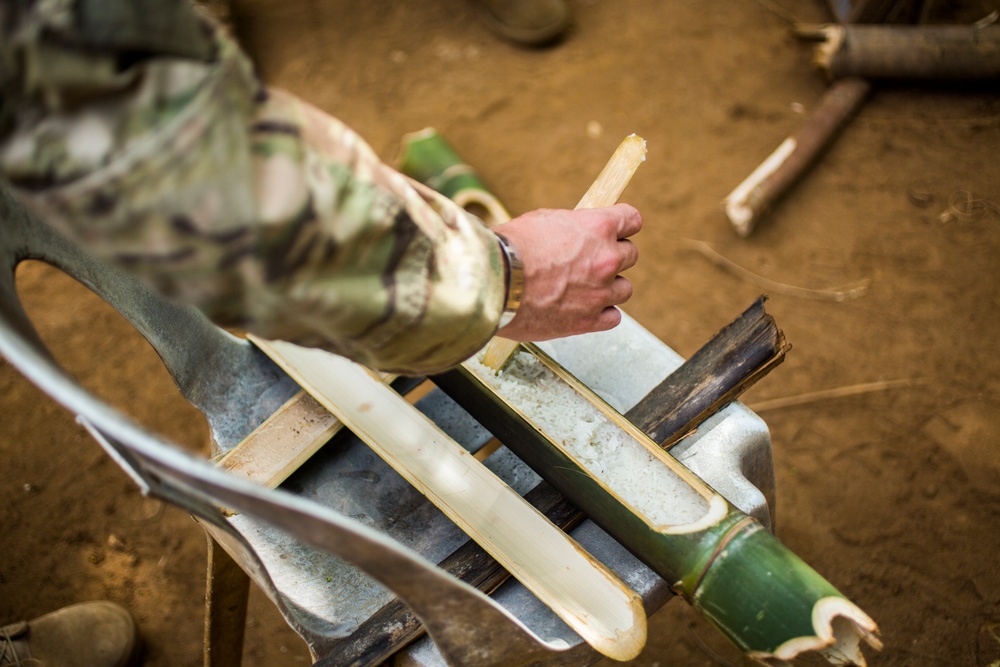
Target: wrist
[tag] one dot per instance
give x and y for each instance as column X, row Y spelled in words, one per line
column 514, row 278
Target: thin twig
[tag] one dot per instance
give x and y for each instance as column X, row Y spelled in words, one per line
column 854, row 290
column 830, row 394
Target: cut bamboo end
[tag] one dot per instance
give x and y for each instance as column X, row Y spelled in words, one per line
column 605, row 191
column 774, row 606
column 840, row 627
column 748, row 200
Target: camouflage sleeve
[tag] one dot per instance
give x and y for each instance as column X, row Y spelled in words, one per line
column 263, row 211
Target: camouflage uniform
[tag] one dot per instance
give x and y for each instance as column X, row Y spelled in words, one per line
column 159, row 150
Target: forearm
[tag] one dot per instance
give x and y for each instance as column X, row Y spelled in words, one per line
column 261, row 210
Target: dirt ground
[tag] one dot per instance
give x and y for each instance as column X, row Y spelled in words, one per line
column 894, row 494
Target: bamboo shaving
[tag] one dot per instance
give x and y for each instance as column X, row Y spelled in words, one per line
column 831, row 394
column 849, row 292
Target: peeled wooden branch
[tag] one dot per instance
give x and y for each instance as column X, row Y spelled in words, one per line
column 778, row 173
column 952, row 52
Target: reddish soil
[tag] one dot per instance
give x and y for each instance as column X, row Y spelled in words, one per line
column 894, row 495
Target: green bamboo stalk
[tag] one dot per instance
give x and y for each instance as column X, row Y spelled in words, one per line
column 756, row 591
column 426, row 157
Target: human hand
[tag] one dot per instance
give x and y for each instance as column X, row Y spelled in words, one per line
column 572, row 266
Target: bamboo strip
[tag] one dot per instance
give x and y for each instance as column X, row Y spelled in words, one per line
column 578, row 588
column 276, row 448
column 604, row 191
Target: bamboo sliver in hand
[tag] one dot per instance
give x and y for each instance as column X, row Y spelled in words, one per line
column 605, row 191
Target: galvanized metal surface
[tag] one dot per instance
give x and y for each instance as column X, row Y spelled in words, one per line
column 344, row 529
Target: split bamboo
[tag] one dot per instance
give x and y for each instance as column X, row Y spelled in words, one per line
column 765, row 599
column 579, row 589
column 742, row 352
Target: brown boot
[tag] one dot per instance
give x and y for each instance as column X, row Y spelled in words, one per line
column 533, row 22
column 89, row 634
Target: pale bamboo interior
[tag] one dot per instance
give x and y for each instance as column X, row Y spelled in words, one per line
column 578, row 588
column 276, row 448
column 607, row 189
column 565, row 412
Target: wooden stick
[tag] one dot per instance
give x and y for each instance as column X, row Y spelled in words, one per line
column 615, row 177
column 605, row 191
column 941, row 53
column 779, row 172
column 286, row 439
